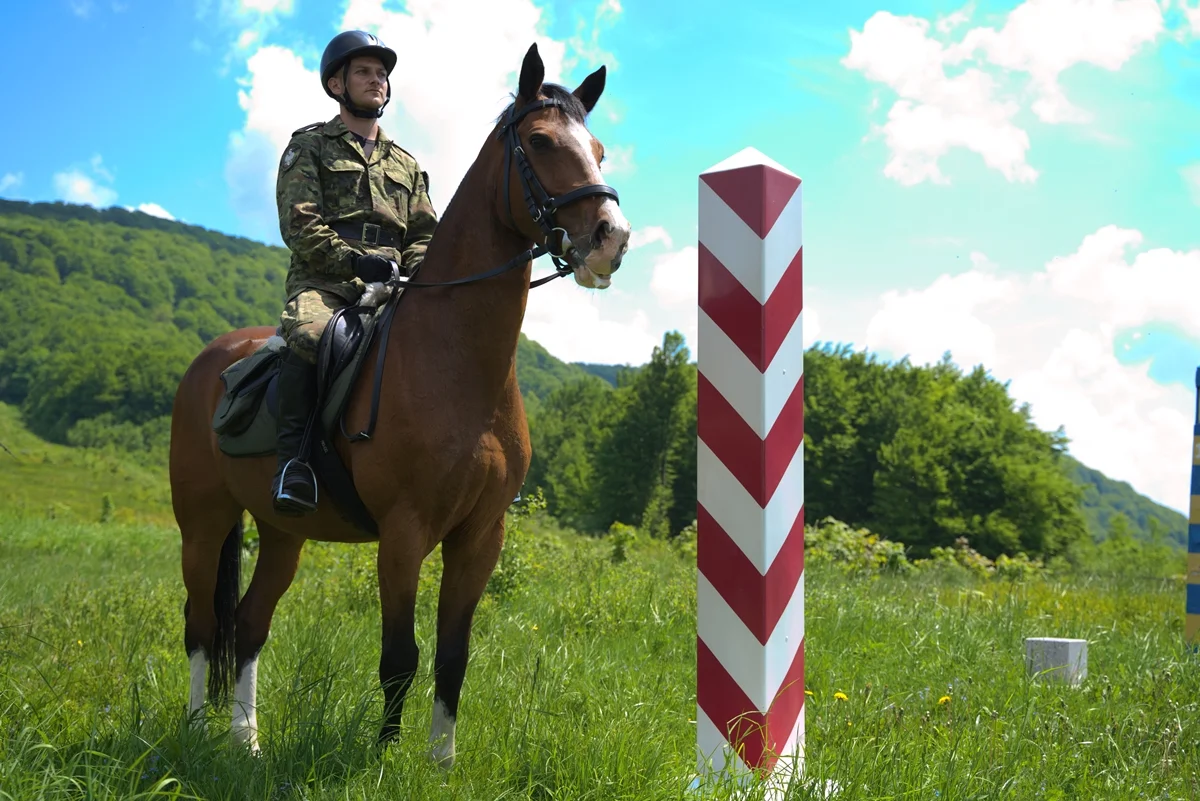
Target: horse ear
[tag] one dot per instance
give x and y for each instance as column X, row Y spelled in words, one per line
column 592, row 87
column 533, row 72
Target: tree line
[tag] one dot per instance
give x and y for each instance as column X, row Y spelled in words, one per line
column 104, row 315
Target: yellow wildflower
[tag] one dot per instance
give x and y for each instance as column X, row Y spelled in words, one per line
column 945, row 699
column 809, row 693
column 840, row 696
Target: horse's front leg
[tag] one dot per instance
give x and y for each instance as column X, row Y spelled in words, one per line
column 468, row 559
column 400, row 554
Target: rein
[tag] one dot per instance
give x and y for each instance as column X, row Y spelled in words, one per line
column 542, row 207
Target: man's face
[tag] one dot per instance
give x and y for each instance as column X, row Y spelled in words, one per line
column 368, row 82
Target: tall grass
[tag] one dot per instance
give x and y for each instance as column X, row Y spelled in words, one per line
column 581, row 683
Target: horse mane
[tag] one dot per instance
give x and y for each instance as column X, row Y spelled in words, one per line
column 571, row 104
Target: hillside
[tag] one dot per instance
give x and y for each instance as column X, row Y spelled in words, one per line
column 608, row 372
column 114, row 304
column 42, row 479
column 1104, row 498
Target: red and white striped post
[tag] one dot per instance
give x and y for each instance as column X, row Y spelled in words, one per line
column 750, row 516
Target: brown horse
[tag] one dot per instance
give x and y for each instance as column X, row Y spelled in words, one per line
column 451, row 449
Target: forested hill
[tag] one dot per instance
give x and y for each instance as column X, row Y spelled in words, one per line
column 1105, row 498
column 104, row 309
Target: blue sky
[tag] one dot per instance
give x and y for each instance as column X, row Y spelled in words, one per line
column 1017, row 183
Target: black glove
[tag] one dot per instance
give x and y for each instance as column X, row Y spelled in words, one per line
column 371, row 267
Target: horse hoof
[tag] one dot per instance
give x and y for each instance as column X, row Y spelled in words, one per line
column 386, row 736
column 249, row 741
column 440, row 758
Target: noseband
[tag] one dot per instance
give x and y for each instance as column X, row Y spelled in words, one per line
column 541, row 204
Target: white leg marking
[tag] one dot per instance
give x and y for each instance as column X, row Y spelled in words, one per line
column 199, row 667
column 441, row 735
column 245, row 716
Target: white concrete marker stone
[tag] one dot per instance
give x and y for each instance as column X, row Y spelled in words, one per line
column 1056, row 659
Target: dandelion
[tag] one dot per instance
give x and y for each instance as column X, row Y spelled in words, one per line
column 945, row 699
column 809, row 693
column 841, row 696
column 534, row 627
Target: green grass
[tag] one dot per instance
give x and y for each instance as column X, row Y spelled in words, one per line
column 581, row 682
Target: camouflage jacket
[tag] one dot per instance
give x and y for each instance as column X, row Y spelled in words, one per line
column 325, row 179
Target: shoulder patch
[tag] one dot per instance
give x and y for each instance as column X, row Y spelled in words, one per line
column 289, row 157
column 307, row 128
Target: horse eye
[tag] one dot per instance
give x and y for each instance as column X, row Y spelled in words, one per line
column 540, row 142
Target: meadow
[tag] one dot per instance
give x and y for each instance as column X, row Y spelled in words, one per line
column 581, row 682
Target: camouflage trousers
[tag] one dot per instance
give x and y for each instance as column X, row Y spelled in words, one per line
column 304, row 318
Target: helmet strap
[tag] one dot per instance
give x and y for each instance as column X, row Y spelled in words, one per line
column 361, row 113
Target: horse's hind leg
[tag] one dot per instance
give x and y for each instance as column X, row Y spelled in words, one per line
column 211, row 575
column 468, row 558
column 278, row 558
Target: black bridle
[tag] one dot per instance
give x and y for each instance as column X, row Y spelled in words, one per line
column 542, row 208
column 541, row 204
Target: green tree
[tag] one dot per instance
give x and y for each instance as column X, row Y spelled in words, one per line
column 636, row 462
column 565, row 431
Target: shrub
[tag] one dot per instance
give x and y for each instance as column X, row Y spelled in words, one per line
column 855, row 550
column 623, row 538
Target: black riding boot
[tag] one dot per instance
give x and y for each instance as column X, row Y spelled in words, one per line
column 294, row 493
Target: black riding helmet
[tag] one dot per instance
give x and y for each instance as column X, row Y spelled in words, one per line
column 338, row 53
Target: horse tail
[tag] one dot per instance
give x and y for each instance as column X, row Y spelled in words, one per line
column 225, row 600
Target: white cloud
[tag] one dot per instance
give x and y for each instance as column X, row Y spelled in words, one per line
column 155, row 210
column 1193, row 17
column 577, row 324
column 812, row 327
column 1103, row 33
column 265, row 6
column 11, row 180
column 247, row 38
column 584, row 47
column 618, row 326
column 675, row 277
column 935, row 111
column 75, row 186
column 99, row 169
column 618, row 159
column 640, row 237
column 441, row 113
column 279, row 96
column 922, row 322
column 1053, row 335
column 951, row 21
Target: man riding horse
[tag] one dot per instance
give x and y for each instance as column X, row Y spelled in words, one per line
column 351, row 202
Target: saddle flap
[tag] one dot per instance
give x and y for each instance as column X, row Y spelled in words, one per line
column 245, row 380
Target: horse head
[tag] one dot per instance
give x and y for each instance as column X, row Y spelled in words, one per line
column 551, row 170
